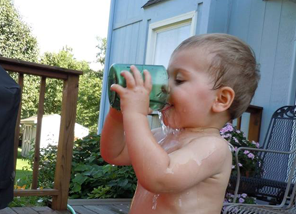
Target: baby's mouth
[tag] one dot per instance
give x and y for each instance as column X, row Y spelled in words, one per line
column 166, row 107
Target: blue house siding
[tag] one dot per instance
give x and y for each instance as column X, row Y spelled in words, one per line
column 267, row 26
column 128, row 32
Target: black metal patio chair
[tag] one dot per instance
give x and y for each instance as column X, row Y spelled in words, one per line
column 288, row 189
column 274, row 179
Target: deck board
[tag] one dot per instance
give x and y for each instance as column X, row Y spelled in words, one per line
column 82, row 206
column 82, row 210
column 7, row 211
column 27, row 210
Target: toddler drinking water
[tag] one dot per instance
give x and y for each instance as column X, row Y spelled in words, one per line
column 212, row 79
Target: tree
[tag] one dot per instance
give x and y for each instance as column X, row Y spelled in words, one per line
column 89, row 94
column 102, row 46
column 16, row 40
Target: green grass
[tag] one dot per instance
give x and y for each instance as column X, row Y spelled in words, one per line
column 23, row 170
column 24, row 177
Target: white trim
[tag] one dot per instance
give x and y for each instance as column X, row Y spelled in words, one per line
column 189, row 18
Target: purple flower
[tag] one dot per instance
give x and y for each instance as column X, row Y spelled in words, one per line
column 236, row 140
column 246, row 152
column 244, row 195
column 227, row 128
column 251, row 155
column 255, row 143
column 241, row 200
column 240, row 165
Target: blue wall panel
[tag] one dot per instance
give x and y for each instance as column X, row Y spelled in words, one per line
column 267, row 26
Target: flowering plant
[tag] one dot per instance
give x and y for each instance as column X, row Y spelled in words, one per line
column 241, row 198
column 248, row 160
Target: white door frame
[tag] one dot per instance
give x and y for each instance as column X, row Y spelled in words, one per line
column 168, row 24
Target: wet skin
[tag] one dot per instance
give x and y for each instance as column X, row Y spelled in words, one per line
column 206, row 197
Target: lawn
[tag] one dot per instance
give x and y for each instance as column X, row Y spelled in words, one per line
column 23, row 170
column 23, row 179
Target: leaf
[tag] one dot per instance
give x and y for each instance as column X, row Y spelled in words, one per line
column 79, row 178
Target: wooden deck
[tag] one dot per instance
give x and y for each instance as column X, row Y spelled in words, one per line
column 81, row 206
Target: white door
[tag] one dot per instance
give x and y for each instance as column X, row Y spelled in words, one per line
column 164, row 36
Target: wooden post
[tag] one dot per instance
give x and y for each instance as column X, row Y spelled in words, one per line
column 65, row 146
column 18, row 119
column 38, row 133
column 255, row 124
column 239, row 122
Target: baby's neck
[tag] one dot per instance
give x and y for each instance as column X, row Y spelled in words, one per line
column 210, row 130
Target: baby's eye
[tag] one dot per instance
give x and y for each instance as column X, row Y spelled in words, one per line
column 179, row 81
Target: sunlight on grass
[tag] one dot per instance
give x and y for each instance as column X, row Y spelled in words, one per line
column 23, row 169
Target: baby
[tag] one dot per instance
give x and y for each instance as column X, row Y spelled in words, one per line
column 212, row 79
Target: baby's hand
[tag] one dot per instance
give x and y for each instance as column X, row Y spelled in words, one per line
column 135, row 97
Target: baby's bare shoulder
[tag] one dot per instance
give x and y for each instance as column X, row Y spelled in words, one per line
column 210, row 140
column 211, row 143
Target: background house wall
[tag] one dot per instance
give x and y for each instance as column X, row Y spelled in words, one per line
column 267, row 26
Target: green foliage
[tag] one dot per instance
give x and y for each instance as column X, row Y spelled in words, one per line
column 90, row 85
column 89, row 97
column 16, row 40
column 31, row 201
column 91, row 176
column 102, row 46
column 54, row 87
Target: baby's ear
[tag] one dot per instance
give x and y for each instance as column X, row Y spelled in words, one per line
column 224, row 99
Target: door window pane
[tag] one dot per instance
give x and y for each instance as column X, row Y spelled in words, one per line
column 167, row 41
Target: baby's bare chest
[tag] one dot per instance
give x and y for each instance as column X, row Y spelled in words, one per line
column 189, row 201
column 172, row 142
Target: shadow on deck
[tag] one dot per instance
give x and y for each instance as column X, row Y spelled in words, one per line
column 81, row 206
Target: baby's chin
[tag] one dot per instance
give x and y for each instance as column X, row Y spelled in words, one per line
column 169, row 123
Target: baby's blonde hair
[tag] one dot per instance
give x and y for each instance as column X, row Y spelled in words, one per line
column 233, row 64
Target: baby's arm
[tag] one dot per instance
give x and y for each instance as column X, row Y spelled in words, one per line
column 113, row 147
column 143, row 149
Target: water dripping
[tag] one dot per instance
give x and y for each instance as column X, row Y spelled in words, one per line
column 166, row 129
column 155, row 197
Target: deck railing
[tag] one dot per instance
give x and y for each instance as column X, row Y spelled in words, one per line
column 254, row 122
column 66, row 136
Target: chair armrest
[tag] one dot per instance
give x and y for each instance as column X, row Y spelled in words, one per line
column 231, row 207
column 270, row 151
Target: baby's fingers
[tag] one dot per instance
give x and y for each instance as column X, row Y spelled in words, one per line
column 137, row 75
column 117, row 88
column 130, row 81
column 148, row 82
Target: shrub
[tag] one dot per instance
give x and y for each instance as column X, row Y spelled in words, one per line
column 91, row 176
